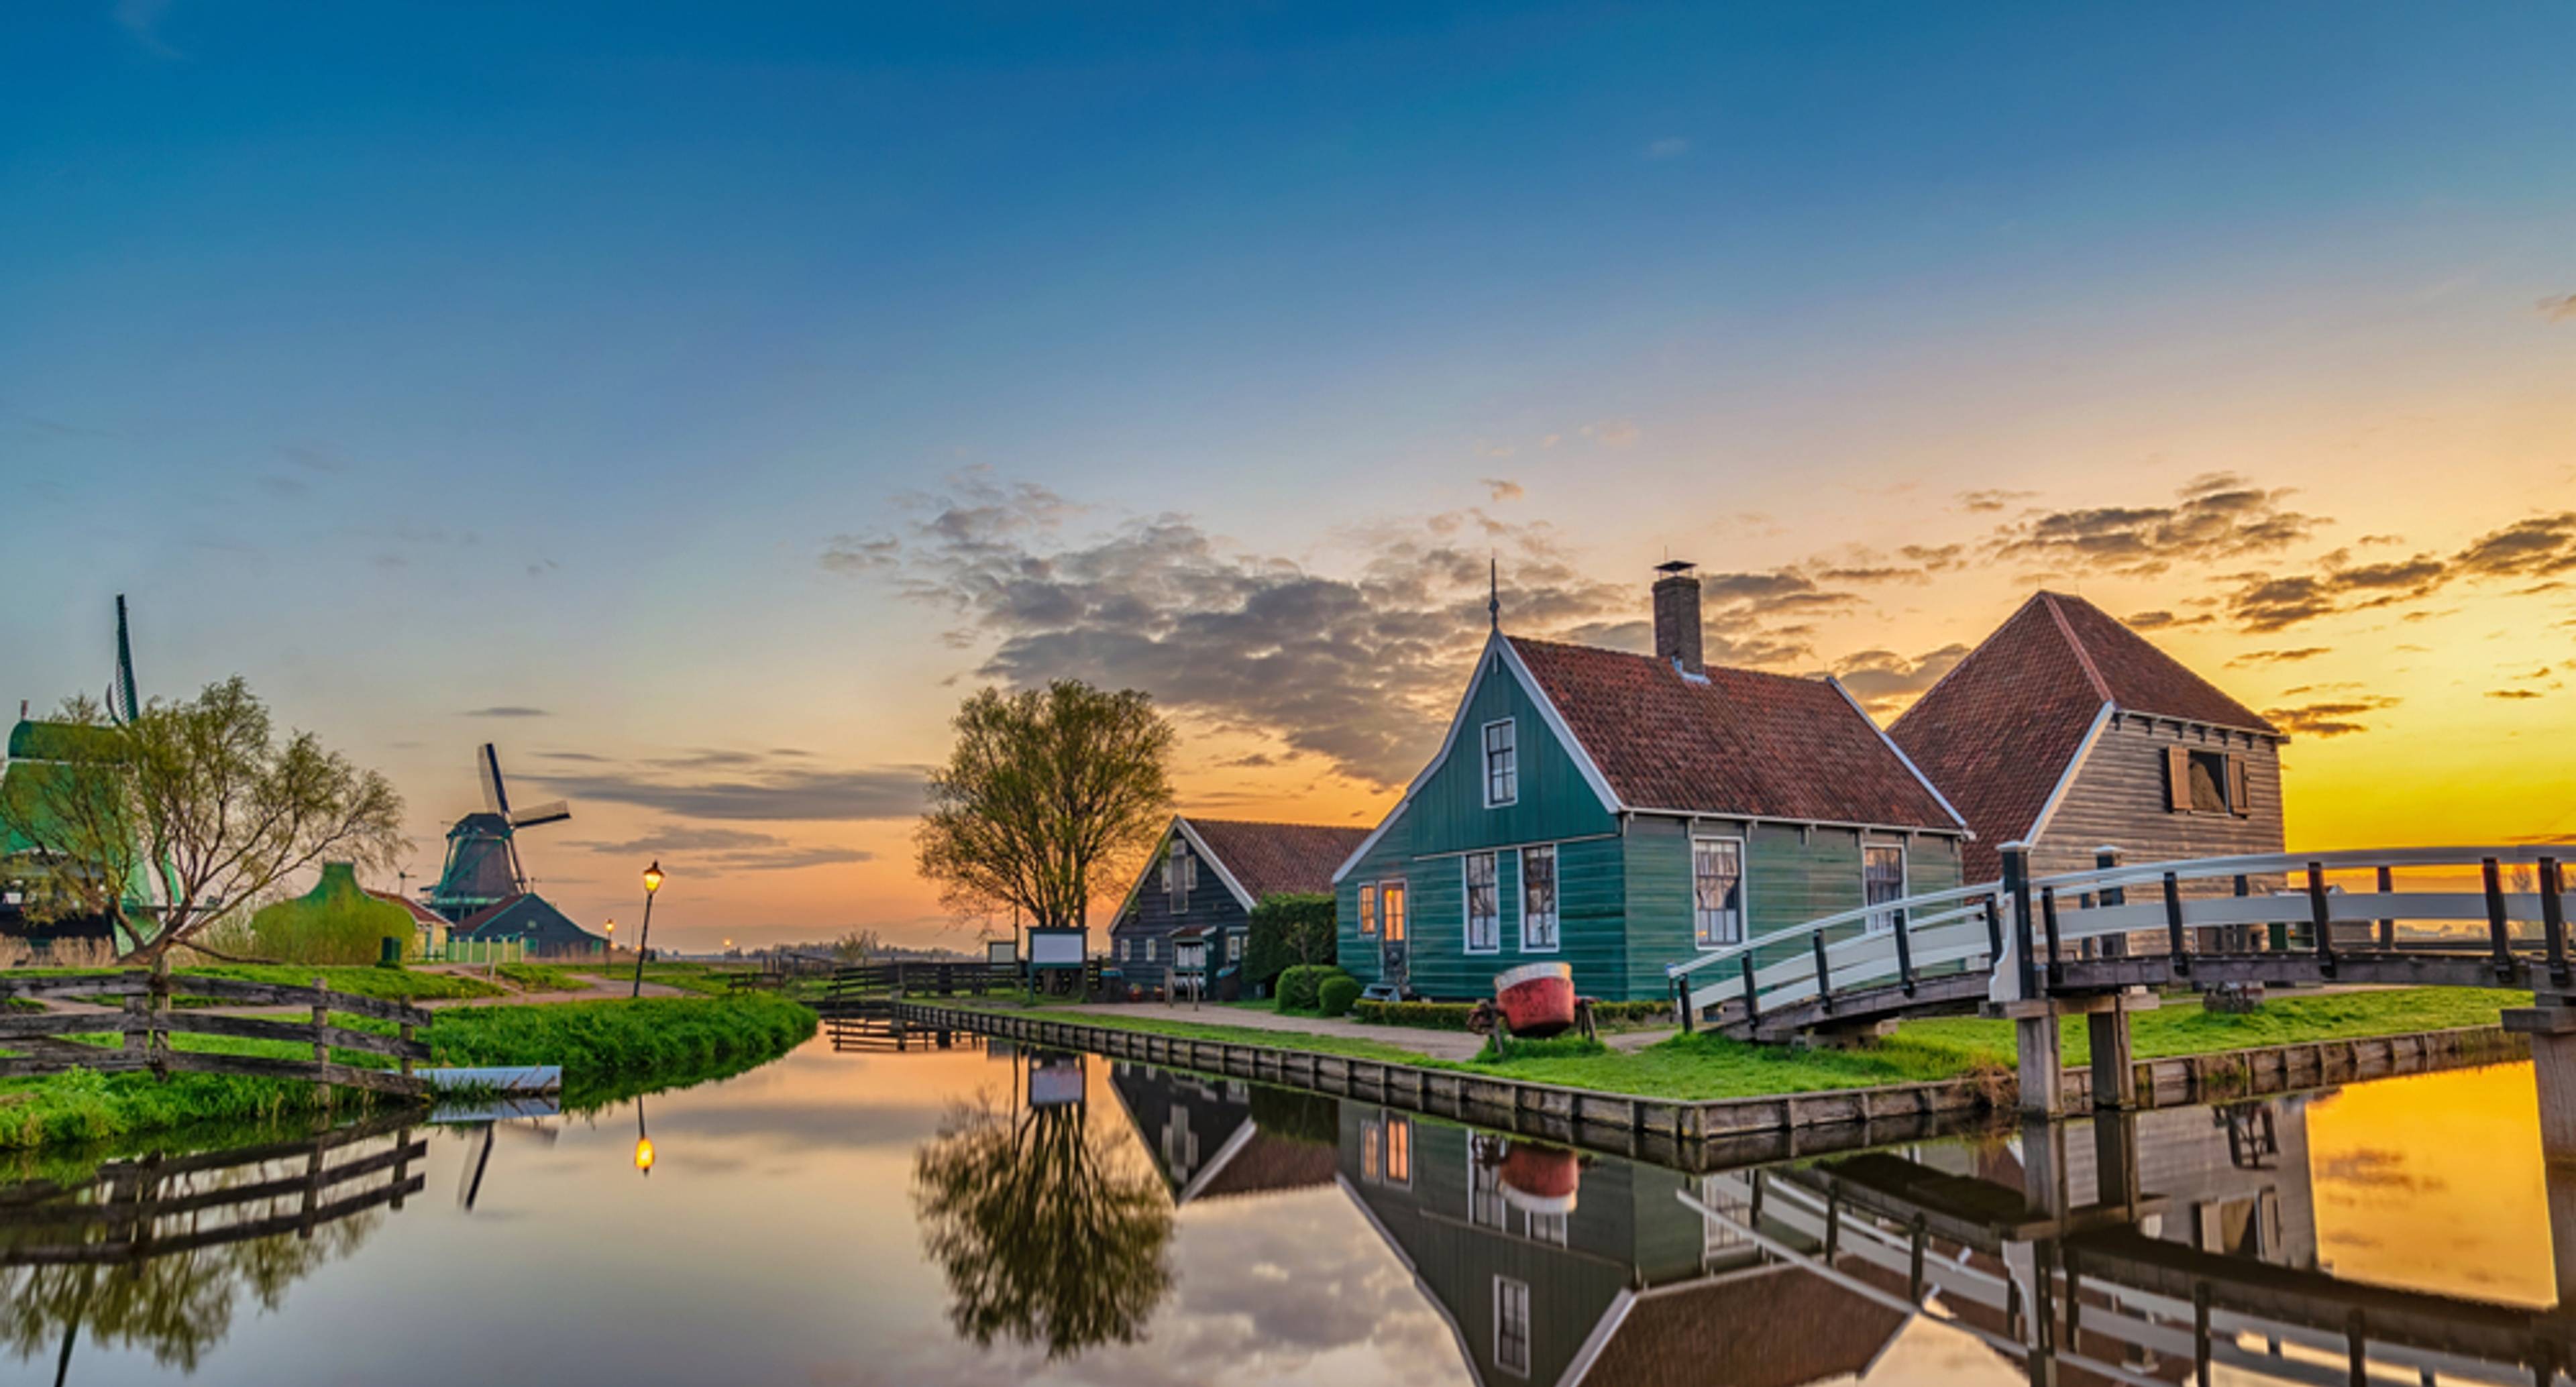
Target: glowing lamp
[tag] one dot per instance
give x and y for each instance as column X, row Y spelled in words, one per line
column 644, row 1155
column 653, row 877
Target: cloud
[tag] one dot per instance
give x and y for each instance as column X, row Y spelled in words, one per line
column 2280, row 657
column 2515, row 693
column 1502, row 489
column 683, row 848
column 506, row 710
column 1359, row 668
column 1612, row 433
column 743, row 786
column 2217, row 516
column 1669, row 147
column 1987, row 501
column 2161, row 620
column 2327, row 719
column 2538, row 546
column 1881, row 679
column 2561, row 309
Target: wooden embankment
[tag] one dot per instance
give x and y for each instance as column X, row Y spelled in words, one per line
column 147, row 1019
column 1722, row 1133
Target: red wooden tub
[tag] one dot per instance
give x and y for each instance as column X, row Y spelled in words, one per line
column 1537, row 998
column 1541, row 1179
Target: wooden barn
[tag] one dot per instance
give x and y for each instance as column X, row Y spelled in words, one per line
column 1621, row 812
column 1202, row 882
column 2069, row 731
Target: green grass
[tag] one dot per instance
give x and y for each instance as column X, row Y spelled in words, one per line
column 541, row 977
column 387, row 984
column 608, row 1050
column 1348, row 1046
column 1703, row 1066
column 695, row 978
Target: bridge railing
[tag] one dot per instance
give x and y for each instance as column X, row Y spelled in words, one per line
column 2151, row 908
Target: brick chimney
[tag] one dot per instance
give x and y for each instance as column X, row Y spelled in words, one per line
column 1677, row 617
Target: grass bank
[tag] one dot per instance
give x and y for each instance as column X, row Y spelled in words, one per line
column 1701, row 1065
column 608, row 1050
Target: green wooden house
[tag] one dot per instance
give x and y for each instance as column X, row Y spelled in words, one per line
column 1621, row 812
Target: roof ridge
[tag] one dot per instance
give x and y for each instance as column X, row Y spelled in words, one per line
column 2074, row 642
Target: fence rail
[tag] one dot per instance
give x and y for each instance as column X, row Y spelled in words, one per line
column 146, row 1020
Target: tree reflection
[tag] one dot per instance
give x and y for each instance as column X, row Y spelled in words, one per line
column 1048, row 1233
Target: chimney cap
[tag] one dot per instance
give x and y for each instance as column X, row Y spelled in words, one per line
column 1675, row 566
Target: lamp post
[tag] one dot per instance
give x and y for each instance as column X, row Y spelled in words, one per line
column 611, row 928
column 652, row 883
column 643, row 1143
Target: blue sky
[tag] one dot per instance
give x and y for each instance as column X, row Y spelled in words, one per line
column 415, row 360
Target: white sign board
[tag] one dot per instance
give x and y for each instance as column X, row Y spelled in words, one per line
column 1052, row 950
column 1001, row 953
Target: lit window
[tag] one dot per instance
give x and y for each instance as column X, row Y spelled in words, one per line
column 1882, row 879
column 1502, row 764
column 1484, row 905
column 1390, row 909
column 1368, row 910
column 1399, row 1150
column 1512, row 1326
column 1538, row 898
column 1717, row 892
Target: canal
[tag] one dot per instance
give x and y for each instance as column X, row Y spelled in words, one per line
column 856, row 1214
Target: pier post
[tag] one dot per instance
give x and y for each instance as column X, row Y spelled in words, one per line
column 2042, row 1058
column 2115, row 1054
column 2552, row 1032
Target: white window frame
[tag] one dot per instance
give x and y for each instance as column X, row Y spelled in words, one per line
column 1882, row 921
column 1510, row 775
column 1180, row 874
column 1517, row 1292
column 1743, row 893
column 1467, row 902
column 1234, row 946
column 1555, row 916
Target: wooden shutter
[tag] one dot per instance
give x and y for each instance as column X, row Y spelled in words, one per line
column 2240, row 801
column 2178, row 779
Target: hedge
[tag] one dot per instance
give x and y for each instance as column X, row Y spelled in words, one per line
column 1300, row 987
column 1288, row 930
column 1335, row 995
column 1452, row 1016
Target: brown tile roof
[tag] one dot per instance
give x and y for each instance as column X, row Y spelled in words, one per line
column 420, row 914
column 1782, row 1328
column 1999, row 729
column 1267, row 1164
column 1272, row 859
column 1759, row 745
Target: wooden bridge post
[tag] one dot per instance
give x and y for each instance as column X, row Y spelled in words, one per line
column 2552, row 1031
column 2115, row 1055
column 2016, row 861
column 2106, row 858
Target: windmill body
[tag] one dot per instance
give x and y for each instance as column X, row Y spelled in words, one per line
column 482, row 849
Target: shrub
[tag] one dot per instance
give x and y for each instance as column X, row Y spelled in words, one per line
column 1288, row 930
column 1335, row 995
column 1300, row 987
column 1497, row 1049
column 336, row 922
column 1429, row 1016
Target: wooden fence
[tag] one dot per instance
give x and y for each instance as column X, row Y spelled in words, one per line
column 133, row 1210
column 147, row 1018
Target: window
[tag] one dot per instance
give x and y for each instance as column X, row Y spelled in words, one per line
column 1390, row 909
column 1149, row 948
column 1122, row 949
column 1368, row 910
column 1548, row 1228
column 1511, row 1326
column 1234, row 946
column 1538, row 899
column 2207, row 782
column 1484, row 905
column 1180, row 874
column 1717, row 892
column 1502, row 764
column 1882, row 879
column 1485, row 1205
column 1399, row 1150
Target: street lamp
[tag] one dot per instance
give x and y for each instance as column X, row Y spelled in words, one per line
column 611, row 928
column 643, row 1143
column 652, row 883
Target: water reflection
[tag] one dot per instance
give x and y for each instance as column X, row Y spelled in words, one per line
column 158, row 1252
column 1049, row 1232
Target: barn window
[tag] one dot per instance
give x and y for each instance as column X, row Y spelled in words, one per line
column 1180, row 874
column 1484, row 905
column 2207, row 782
column 1502, row 764
column 1717, row 892
column 1882, row 879
column 1538, row 898
column 1512, row 1326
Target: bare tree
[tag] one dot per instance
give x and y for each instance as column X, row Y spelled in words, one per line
column 1048, row 795
column 192, row 811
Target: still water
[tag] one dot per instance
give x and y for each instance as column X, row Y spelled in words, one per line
column 975, row 1215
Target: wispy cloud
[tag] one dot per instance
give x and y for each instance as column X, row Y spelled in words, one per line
column 2326, row 719
column 506, row 710
column 1669, row 147
column 684, row 848
column 740, row 786
column 1504, row 489
column 2561, row 309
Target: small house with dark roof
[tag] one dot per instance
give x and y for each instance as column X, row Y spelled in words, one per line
column 1622, row 812
column 533, row 920
column 1201, row 884
column 2069, row 731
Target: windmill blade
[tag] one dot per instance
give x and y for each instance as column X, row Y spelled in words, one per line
column 551, row 813
column 496, row 796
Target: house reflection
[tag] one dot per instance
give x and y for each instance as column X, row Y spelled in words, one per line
column 1223, row 1138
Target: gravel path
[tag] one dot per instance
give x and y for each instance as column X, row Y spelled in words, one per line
column 1444, row 1045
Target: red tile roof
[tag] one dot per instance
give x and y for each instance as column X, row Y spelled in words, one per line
column 1272, row 859
column 1758, row 745
column 1997, row 732
column 1779, row 1327
column 420, row 914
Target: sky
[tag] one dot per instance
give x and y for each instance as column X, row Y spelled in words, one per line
column 699, row 401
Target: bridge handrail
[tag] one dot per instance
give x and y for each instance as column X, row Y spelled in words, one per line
column 2289, row 863
column 1858, row 915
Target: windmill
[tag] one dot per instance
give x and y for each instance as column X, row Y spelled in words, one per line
column 482, row 849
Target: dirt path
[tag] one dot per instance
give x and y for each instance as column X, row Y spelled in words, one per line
column 1441, row 1045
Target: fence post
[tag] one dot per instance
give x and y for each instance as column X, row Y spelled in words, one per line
column 1994, row 930
column 2499, row 931
column 2553, row 918
column 2387, row 928
column 2016, row 859
column 2106, row 858
column 1752, row 1000
column 2048, row 917
column 1824, row 974
column 2321, row 918
column 2175, row 940
column 321, row 1048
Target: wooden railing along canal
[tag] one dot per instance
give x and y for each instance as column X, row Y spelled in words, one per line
column 147, row 1018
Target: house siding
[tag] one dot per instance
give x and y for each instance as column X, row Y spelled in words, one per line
column 1388, row 859
column 2119, row 799
column 1555, row 800
column 1151, row 914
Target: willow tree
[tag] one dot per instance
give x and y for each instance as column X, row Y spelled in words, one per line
column 189, row 813
column 1048, row 795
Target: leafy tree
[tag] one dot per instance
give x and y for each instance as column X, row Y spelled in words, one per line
column 857, row 946
column 1288, row 929
column 193, row 810
column 1048, row 795
column 1048, row 1233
